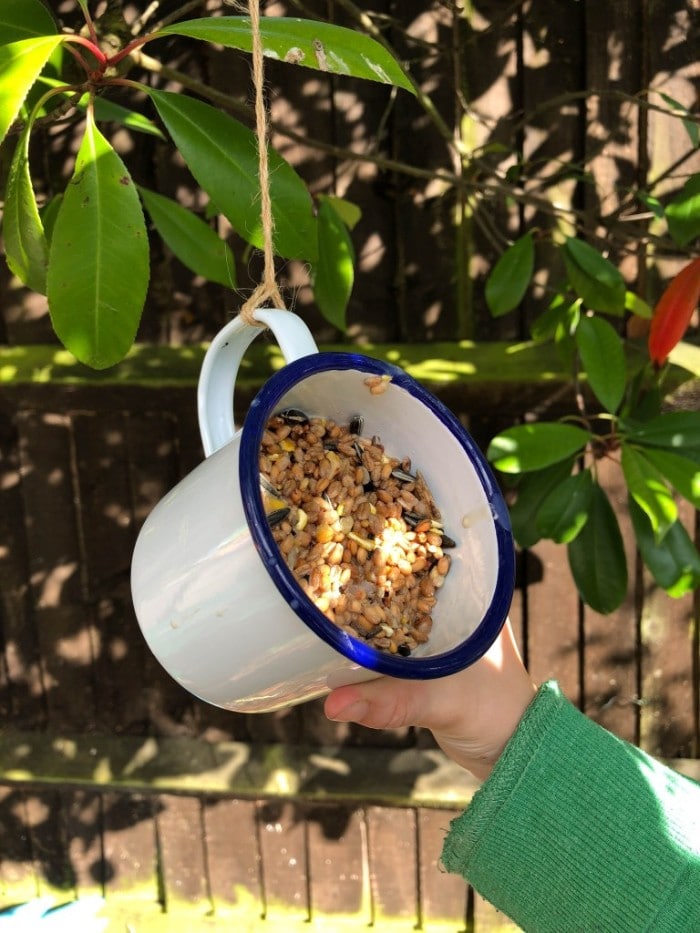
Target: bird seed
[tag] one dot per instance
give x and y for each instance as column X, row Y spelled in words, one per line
column 358, row 528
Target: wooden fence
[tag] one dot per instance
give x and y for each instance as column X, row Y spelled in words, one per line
column 115, row 781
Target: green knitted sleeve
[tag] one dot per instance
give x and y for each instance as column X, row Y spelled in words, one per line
column 576, row 831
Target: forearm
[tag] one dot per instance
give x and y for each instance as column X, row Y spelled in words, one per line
column 575, row 831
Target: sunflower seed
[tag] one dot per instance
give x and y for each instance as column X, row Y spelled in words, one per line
column 293, row 416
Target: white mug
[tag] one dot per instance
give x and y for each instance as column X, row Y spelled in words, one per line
column 215, row 599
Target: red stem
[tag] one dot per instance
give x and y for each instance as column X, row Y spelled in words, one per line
column 94, row 49
column 129, row 48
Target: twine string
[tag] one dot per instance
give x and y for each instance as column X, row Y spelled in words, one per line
column 267, row 290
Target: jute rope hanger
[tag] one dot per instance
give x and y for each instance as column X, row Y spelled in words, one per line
column 267, row 290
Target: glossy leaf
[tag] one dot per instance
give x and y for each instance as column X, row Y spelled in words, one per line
column 23, row 19
column 688, row 119
column 649, row 490
column 638, row 306
column 192, row 240
column 532, row 490
column 334, row 272
column 222, row 154
column 594, row 278
column 675, row 563
column 20, row 65
column 307, row 42
column 98, row 260
column 510, row 277
column 681, row 472
column 674, row 430
column 348, row 211
column 26, row 249
column 597, row 556
column 534, row 446
column 564, row 511
column 48, row 214
column 683, row 212
column 603, row 360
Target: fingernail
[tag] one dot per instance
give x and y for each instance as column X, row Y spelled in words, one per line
column 353, row 712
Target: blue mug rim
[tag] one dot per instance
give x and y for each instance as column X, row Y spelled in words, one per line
column 480, row 640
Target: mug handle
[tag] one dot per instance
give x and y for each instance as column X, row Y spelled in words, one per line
column 217, row 378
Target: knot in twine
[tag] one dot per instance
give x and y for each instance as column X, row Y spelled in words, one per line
column 267, row 290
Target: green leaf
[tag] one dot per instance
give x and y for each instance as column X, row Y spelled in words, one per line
column 334, row 273
column 556, row 321
column 222, row 154
column 348, row 212
column 98, row 260
column 107, row 110
column 510, row 277
column 683, row 212
column 534, row 446
column 648, row 489
column 20, row 65
column 532, row 490
column 597, row 556
column 564, row 511
column 688, row 119
column 674, row 564
column 603, row 360
column 681, row 472
column 193, row 241
column 594, row 278
column 638, row 306
column 674, row 430
column 651, row 203
column 26, row 249
column 24, row 19
column 307, row 42
column 48, row 214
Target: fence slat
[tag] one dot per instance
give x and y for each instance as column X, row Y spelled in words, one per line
column 21, row 691
column 46, row 824
column 337, row 862
column 63, row 627
column 284, row 861
column 182, row 855
column 553, row 619
column 393, row 864
column 233, row 856
column 129, row 848
column 18, row 881
column 443, row 897
column 84, row 834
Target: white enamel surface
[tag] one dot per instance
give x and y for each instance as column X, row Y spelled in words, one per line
column 204, row 598
column 206, row 605
column 221, row 363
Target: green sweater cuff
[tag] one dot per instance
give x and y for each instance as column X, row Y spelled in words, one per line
column 576, row 830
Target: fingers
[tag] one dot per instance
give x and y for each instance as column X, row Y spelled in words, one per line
column 385, row 703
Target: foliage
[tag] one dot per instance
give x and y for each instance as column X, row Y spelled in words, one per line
column 658, row 451
column 92, row 261
column 87, row 249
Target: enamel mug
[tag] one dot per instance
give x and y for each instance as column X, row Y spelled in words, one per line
column 215, row 600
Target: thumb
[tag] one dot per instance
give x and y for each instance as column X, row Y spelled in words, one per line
column 384, row 703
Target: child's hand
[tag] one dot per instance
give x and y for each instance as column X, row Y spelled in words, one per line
column 472, row 714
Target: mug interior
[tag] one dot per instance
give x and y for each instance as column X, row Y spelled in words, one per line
column 410, row 422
